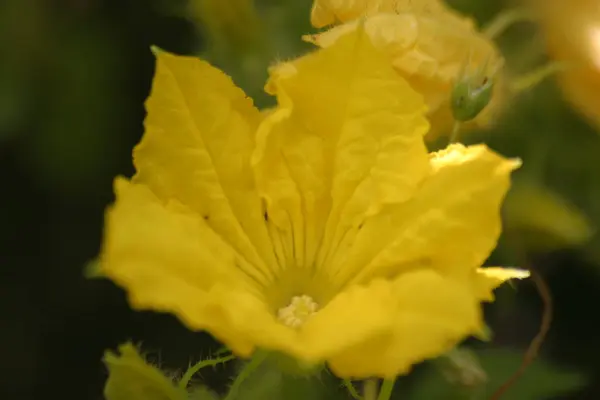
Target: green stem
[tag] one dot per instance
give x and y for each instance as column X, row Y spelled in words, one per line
column 248, row 369
column 455, row 132
column 505, row 20
column 187, row 377
column 385, row 392
column 352, row 390
column 370, row 389
column 533, row 78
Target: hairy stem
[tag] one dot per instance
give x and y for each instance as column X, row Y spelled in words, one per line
column 535, row 77
column 455, row 132
column 246, row 371
column 385, row 392
column 187, row 377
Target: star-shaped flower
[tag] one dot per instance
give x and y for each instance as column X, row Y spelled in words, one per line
column 322, row 229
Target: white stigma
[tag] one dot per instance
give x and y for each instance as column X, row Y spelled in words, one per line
column 298, row 311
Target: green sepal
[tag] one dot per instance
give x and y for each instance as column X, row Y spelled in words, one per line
column 485, row 334
column 92, row 269
column 131, row 378
column 271, row 375
column 157, row 50
column 291, row 366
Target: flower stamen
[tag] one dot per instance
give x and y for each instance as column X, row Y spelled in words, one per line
column 298, row 311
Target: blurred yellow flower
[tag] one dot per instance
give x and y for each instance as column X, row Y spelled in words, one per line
column 542, row 220
column 572, row 30
column 331, row 12
column 429, row 45
column 322, row 229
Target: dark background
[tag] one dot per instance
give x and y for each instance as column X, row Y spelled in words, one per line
column 73, row 78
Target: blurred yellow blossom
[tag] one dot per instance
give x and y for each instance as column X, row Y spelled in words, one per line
column 544, row 220
column 428, row 43
column 572, row 31
column 322, row 229
column 331, row 12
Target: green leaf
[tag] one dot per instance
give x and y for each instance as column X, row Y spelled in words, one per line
column 268, row 381
column 264, row 384
column 202, row 393
column 131, row 378
column 540, row 380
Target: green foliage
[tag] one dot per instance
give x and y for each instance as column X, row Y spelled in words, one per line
column 541, row 380
column 80, row 72
column 77, row 130
column 278, row 38
column 193, row 370
column 202, row 393
column 268, row 381
column 131, row 378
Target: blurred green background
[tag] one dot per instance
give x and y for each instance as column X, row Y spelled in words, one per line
column 73, row 78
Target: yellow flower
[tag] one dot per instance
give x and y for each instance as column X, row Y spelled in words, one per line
column 572, row 32
column 331, row 12
column 428, row 44
column 322, row 229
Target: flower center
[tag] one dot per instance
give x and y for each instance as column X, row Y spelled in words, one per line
column 298, row 311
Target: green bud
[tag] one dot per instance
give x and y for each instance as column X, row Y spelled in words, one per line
column 470, row 96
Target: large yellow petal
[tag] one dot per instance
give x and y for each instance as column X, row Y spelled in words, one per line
column 354, row 316
column 390, row 325
column 199, row 137
column 451, row 224
column 345, row 139
column 427, row 315
column 169, row 259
